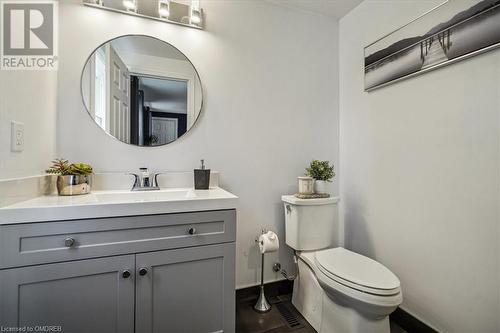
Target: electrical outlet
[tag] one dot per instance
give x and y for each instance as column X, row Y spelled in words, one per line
column 17, row 136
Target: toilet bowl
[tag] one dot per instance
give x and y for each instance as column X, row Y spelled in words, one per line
column 336, row 290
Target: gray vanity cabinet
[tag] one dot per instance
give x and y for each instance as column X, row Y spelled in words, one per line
column 78, row 296
column 158, row 273
column 186, row 290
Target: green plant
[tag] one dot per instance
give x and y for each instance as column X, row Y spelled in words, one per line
column 59, row 167
column 82, row 169
column 62, row 167
column 320, row 170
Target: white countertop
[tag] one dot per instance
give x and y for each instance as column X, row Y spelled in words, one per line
column 100, row 204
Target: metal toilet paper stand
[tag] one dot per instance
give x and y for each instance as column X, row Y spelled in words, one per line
column 262, row 304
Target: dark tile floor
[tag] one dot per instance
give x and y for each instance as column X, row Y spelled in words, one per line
column 250, row 321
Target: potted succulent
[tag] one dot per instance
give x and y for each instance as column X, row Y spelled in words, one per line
column 322, row 172
column 72, row 178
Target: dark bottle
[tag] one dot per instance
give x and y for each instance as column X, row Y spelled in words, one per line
column 201, row 177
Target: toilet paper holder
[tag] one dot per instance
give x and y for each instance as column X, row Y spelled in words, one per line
column 263, row 231
column 262, row 304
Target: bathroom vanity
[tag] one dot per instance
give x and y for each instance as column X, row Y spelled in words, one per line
column 116, row 261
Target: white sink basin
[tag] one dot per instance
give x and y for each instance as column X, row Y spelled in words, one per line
column 117, row 203
column 145, row 196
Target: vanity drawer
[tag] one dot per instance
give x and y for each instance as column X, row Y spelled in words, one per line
column 37, row 243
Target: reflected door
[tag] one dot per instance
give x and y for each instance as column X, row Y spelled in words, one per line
column 119, row 101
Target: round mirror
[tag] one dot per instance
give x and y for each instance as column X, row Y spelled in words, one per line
column 141, row 90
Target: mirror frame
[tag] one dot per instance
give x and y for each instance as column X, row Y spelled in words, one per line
column 160, row 40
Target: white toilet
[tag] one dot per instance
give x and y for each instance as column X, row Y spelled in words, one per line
column 336, row 290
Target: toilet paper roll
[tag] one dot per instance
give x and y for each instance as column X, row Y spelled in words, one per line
column 269, row 242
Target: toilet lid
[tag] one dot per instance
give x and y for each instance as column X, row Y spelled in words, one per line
column 357, row 270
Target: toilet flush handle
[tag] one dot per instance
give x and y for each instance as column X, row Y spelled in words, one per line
column 288, row 209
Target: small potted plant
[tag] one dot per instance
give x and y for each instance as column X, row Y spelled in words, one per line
column 72, row 178
column 322, row 172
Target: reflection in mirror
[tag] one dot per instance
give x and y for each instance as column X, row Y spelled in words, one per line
column 141, row 90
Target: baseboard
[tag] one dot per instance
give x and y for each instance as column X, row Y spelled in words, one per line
column 409, row 323
column 282, row 287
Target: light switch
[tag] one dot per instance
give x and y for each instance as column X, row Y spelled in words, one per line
column 17, row 136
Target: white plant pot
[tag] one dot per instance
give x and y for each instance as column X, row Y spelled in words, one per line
column 320, row 186
column 306, row 185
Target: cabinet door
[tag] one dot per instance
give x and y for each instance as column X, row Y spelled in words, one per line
column 80, row 296
column 186, row 290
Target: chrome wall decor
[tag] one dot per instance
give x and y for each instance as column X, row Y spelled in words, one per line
column 181, row 12
column 453, row 31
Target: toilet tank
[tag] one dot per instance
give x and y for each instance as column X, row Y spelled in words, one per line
column 311, row 224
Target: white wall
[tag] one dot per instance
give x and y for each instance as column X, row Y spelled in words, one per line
column 29, row 97
column 270, row 78
column 420, row 174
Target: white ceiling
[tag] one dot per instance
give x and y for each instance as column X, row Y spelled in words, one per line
column 332, row 8
column 164, row 95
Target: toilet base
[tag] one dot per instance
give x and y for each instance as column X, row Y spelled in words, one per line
column 327, row 315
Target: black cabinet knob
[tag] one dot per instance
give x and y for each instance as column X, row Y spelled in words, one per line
column 143, row 271
column 126, row 274
column 192, row 231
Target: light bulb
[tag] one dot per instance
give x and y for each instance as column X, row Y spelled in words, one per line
column 163, row 9
column 195, row 16
column 130, row 4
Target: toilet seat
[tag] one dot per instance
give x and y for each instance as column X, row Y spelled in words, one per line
column 356, row 271
column 373, row 298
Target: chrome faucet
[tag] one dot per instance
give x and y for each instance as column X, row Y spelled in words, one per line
column 145, row 181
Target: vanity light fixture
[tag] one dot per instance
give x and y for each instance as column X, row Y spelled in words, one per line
column 187, row 13
column 130, row 5
column 163, row 8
